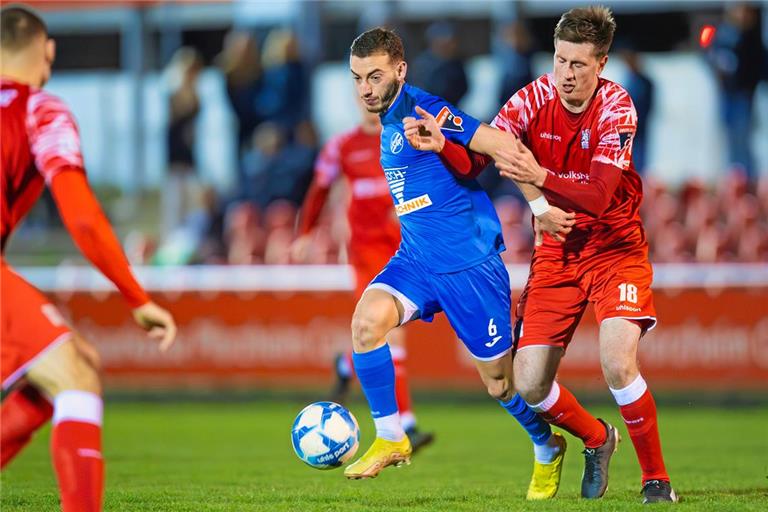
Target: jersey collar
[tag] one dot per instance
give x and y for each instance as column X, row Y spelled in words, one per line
column 396, row 102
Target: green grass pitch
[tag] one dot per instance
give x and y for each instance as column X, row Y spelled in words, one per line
column 237, row 456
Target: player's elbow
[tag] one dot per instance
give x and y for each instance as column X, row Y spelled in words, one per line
column 82, row 225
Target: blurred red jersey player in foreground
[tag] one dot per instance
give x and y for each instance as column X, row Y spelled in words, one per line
column 373, row 239
column 48, row 369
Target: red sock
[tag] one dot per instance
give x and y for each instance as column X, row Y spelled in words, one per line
column 23, row 412
column 76, row 450
column 562, row 409
column 402, row 389
column 640, row 418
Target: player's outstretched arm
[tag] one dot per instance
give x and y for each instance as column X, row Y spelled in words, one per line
column 593, row 198
column 425, row 134
column 328, row 169
column 84, row 219
column 498, row 144
column 317, row 195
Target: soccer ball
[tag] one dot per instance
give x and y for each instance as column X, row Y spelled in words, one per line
column 325, row 435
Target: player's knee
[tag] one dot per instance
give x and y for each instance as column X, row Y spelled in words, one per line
column 78, row 372
column 501, row 389
column 367, row 330
column 533, row 391
column 65, row 368
column 619, row 373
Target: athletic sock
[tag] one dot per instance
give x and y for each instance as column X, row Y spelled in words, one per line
column 639, row 412
column 376, row 374
column 76, row 450
column 402, row 390
column 562, row 409
column 546, row 453
column 539, row 430
column 22, row 412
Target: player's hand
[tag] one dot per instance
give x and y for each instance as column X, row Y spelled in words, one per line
column 300, row 249
column 424, row 133
column 157, row 322
column 518, row 163
column 556, row 222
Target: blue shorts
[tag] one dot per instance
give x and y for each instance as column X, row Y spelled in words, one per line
column 476, row 301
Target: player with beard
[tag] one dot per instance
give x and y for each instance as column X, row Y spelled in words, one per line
column 449, row 260
column 374, row 237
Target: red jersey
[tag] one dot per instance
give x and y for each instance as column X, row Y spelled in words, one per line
column 588, row 156
column 40, row 146
column 355, row 155
column 38, row 139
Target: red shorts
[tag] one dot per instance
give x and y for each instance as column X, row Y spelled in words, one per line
column 30, row 325
column 367, row 261
column 616, row 281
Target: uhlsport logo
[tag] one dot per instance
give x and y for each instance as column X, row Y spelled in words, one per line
column 396, row 143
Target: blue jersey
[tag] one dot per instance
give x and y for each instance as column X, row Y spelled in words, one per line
column 447, row 223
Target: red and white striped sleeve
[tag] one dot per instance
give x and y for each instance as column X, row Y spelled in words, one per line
column 53, row 136
column 55, row 144
column 616, row 128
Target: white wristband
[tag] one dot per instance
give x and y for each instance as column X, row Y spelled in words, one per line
column 539, row 206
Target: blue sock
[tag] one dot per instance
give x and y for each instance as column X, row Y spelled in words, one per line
column 376, row 374
column 537, row 428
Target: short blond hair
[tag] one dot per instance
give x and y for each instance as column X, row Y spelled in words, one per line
column 593, row 24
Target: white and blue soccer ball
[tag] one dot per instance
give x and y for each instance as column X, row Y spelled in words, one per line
column 325, row 435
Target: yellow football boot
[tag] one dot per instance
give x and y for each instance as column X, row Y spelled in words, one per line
column 381, row 454
column 546, row 477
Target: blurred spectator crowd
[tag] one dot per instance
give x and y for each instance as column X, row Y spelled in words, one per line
column 267, row 85
column 267, row 82
column 694, row 223
column 276, row 145
column 722, row 224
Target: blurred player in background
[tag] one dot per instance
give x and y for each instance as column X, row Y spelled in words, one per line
column 374, row 238
column 48, row 369
column 573, row 140
column 449, row 260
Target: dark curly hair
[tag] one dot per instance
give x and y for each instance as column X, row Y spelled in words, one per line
column 378, row 40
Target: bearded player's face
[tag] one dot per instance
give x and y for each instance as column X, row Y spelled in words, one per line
column 377, row 80
column 576, row 70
